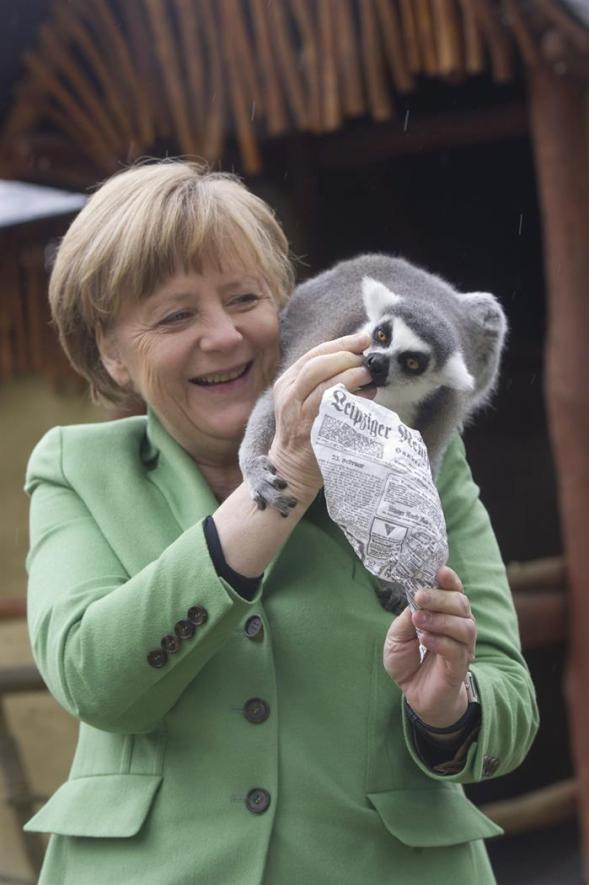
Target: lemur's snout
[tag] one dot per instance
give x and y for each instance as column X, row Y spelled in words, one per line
column 378, row 366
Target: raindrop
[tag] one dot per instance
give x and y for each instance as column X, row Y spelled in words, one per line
column 253, row 111
column 406, row 121
column 521, row 223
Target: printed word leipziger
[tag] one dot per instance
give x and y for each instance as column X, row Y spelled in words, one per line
column 358, row 417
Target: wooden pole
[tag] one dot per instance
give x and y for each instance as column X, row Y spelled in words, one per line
column 395, row 49
column 287, row 63
column 306, row 18
column 276, row 120
column 346, row 48
column 473, row 45
column 112, row 41
column 167, row 55
column 331, row 117
column 237, row 83
column 215, row 112
column 558, row 112
column 379, row 101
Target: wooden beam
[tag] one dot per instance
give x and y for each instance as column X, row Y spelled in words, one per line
column 545, row 807
column 13, row 607
column 538, row 574
column 543, row 618
column 15, row 680
column 372, row 143
column 558, row 114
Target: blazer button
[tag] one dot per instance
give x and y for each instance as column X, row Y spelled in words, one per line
column 157, row 658
column 257, row 800
column 184, row 629
column 254, row 628
column 256, row 710
column 490, row 765
column 171, row 644
column 197, row 615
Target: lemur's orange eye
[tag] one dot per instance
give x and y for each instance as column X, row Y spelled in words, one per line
column 412, row 363
column 381, row 336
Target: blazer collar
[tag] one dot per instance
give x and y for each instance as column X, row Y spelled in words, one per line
column 173, row 471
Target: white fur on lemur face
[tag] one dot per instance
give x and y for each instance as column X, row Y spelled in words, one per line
column 404, row 364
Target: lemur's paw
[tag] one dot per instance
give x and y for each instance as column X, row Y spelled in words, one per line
column 268, row 486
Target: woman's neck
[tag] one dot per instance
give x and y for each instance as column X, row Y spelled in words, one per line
column 222, row 478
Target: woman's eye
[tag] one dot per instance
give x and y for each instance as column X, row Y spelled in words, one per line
column 245, row 299
column 177, row 317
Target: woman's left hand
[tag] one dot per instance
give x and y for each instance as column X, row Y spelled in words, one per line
column 435, row 688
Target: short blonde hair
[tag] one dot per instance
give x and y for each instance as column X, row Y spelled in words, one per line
column 136, row 231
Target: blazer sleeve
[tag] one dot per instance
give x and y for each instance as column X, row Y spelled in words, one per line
column 92, row 625
column 509, row 714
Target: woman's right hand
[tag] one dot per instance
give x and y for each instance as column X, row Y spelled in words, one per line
column 297, row 396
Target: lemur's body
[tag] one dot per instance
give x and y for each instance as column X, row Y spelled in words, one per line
column 434, row 355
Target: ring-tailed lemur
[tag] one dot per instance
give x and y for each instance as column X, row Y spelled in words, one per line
column 434, row 355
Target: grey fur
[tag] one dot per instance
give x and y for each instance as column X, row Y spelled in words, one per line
column 461, row 330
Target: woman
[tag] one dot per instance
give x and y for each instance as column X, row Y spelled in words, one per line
column 226, row 665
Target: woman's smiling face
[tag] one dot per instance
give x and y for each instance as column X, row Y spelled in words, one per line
column 200, row 350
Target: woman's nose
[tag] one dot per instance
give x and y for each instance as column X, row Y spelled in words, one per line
column 219, row 333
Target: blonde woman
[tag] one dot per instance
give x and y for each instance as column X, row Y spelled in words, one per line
column 237, row 724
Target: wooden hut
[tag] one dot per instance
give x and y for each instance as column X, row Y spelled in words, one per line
column 315, row 86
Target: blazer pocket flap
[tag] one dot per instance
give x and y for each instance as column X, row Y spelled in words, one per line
column 432, row 818
column 105, row 805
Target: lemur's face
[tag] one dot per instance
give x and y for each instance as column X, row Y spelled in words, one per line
column 405, row 366
column 398, row 359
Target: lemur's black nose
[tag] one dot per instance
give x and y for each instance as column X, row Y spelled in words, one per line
column 378, row 366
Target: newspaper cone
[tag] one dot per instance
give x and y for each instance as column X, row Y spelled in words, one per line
column 379, row 490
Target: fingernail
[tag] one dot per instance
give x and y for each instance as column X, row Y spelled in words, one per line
column 422, row 597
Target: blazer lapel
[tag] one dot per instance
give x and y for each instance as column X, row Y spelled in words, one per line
column 176, row 475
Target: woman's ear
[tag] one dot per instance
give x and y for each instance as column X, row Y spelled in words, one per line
column 110, row 356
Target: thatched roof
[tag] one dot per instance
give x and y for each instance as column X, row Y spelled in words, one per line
column 119, row 79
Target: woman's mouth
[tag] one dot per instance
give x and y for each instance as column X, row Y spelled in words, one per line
column 221, row 379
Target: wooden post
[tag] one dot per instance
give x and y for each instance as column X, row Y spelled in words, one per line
column 558, row 114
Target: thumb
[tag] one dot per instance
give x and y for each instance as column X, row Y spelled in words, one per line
column 401, row 630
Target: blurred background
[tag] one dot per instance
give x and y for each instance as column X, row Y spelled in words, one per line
column 451, row 132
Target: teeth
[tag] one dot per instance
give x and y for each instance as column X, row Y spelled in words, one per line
column 220, row 377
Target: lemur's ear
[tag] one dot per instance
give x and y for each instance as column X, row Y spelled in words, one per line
column 377, row 298
column 485, row 311
column 456, row 375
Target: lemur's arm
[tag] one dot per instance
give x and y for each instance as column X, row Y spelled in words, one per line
column 265, row 485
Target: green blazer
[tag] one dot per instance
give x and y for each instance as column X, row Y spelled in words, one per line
column 272, row 746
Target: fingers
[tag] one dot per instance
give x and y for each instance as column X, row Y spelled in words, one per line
column 352, row 343
column 350, row 378
column 323, row 368
column 323, row 371
column 448, row 579
column 401, row 630
column 456, row 653
column 458, row 629
column 451, row 602
column 445, row 619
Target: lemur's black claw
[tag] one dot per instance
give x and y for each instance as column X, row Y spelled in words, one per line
column 260, row 502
